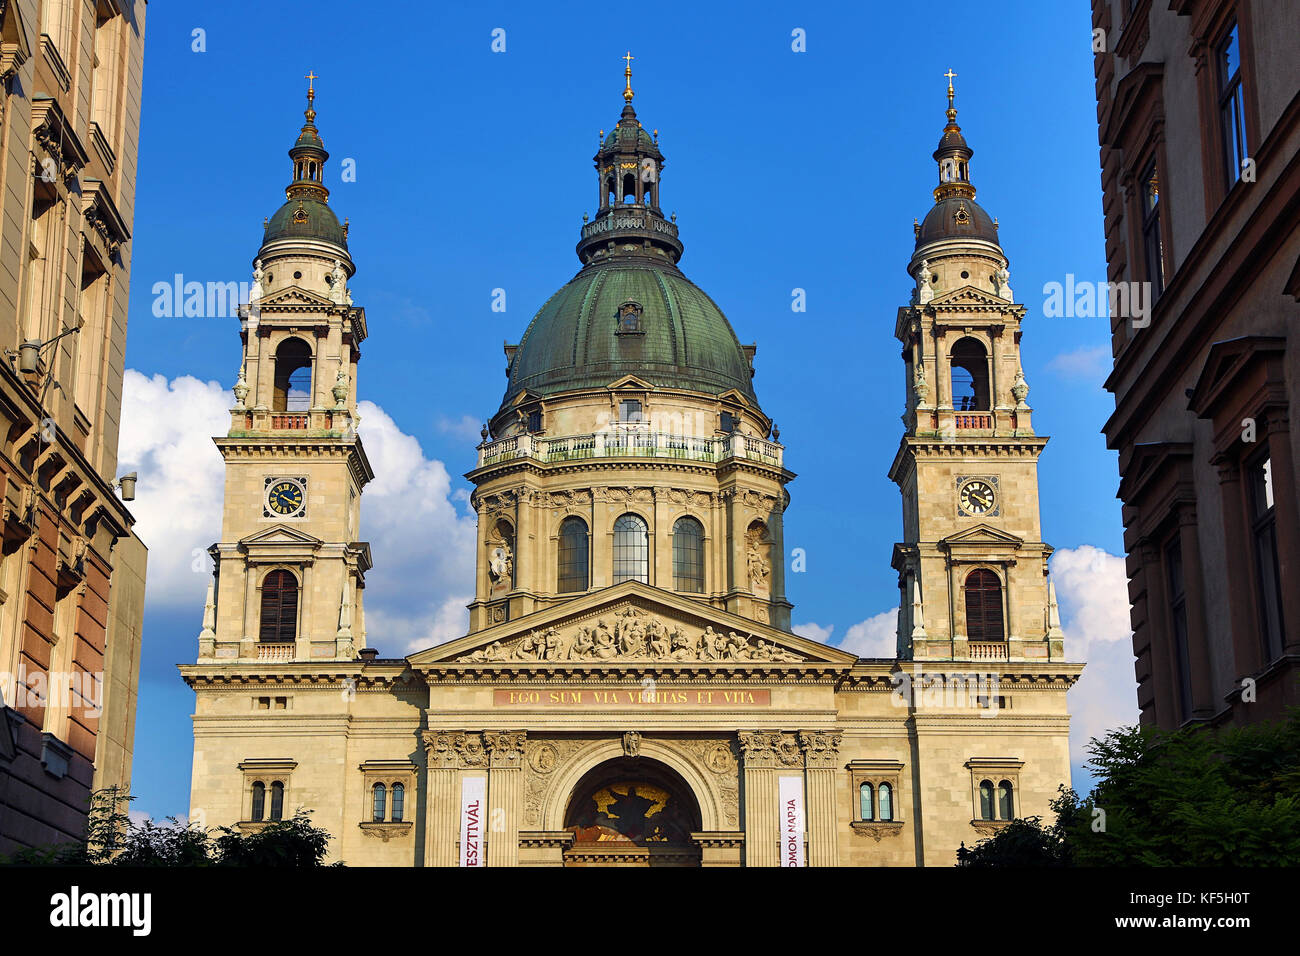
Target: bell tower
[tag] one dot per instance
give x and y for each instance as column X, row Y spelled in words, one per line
column 972, row 565
column 289, row 571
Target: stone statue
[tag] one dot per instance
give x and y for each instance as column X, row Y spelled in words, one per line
column 501, row 564
column 920, row 386
column 1020, row 389
column 240, row 389
column 1004, row 284
column 924, row 278
column 339, row 294
column 340, row 389
column 255, row 292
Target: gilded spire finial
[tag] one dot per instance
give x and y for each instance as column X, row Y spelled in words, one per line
column 627, row 73
column 952, row 110
column 311, row 79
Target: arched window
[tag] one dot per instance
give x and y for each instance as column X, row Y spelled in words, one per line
column 986, row 799
column 629, row 188
column 399, row 798
column 377, row 815
column 279, row 622
column 886, row 802
column 631, row 550
column 688, row 556
column 970, row 377
column 292, row 376
column 983, row 606
column 1005, row 807
column 277, row 801
column 865, row 808
column 572, row 571
column 259, row 801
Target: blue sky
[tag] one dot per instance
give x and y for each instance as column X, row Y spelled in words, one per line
column 473, row 170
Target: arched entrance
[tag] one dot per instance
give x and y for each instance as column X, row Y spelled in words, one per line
column 632, row 811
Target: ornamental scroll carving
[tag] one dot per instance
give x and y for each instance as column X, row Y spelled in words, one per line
column 505, row 749
column 719, row 759
column 821, row 748
column 631, row 634
column 450, row 749
column 771, row 749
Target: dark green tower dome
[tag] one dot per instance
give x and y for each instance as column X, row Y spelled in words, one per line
column 955, row 214
column 630, row 310
column 306, row 213
column 581, row 337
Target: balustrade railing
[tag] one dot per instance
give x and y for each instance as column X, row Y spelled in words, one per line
column 631, row 442
column 988, row 650
column 275, row 652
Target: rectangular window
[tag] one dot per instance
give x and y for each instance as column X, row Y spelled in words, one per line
column 1264, row 532
column 1232, row 105
column 1153, row 249
column 727, row 423
column 1178, row 621
column 534, row 422
column 629, row 411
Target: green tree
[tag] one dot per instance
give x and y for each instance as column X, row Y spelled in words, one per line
column 113, row 840
column 1196, row 797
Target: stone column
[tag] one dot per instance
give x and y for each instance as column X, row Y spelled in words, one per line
column 1245, row 639
column 821, row 760
column 1286, row 510
column 760, row 794
column 441, row 808
column 505, row 796
column 1198, row 647
column 780, row 616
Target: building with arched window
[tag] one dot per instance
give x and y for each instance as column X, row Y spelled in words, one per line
column 629, row 690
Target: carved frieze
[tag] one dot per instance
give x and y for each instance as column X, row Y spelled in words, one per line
column 631, row 634
column 451, row 749
column 764, row 749
column 821, row 748
column 505, row 749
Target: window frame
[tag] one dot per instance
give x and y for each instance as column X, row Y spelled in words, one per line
column 682, row 581
column 984, row 606
column 617, row 576
column 561, row 550
column 877, row 773
column 394, row 776
column 279, row 573
column 269, row 773
column 995, row 771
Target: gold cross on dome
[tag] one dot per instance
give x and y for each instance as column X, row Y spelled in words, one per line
column 950, row 74
column 629, row 57
column 311, row 79
column 627, row 91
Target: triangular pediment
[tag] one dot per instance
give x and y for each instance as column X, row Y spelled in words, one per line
column 982, row 535
column 293, row 296
column 631, row 381
column 968, row 295
column 635, row 625
column 280, row 534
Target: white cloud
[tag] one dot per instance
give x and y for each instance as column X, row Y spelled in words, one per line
column 466, row 428
column 875, row 637
column 1090, row 362
column 814, row 632
column 422, row 543
column 1092, row 588
column 166, row 436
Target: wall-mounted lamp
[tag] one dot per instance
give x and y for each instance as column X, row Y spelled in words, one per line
column 127, row 485
column 29, row 357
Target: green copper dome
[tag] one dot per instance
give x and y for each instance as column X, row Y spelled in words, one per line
column 305, row 219
column 681, row 340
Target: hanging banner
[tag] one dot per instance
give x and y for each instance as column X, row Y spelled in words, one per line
column 792, row 823
column 473, row 800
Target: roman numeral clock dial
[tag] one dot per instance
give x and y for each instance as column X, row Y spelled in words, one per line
column 977, row 497
column 285, row 497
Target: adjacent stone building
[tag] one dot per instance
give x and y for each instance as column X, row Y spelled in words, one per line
column 71, row 570
column 630, row 691
column 1199, row 124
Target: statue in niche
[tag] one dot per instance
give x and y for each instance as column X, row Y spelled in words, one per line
column 756, row 558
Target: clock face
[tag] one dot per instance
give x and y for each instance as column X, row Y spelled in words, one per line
column 977, row 497
column 284, row 498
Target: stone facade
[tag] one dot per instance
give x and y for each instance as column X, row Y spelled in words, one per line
column 1199, row 127
column 629, row 691
column 71, row 569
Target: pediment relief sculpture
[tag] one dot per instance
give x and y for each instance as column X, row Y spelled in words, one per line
column 631, row 634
